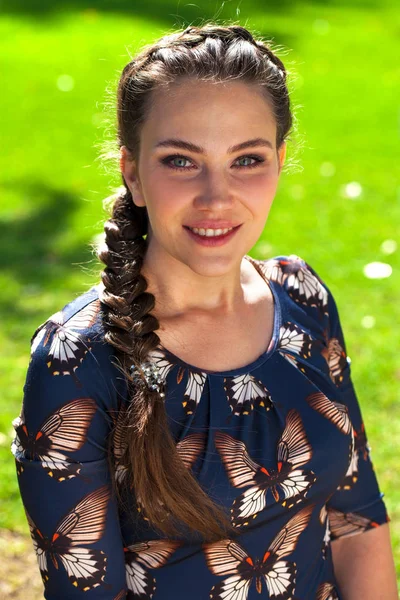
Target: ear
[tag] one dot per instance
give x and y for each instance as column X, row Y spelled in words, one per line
column 129, row 171
column 282, row 155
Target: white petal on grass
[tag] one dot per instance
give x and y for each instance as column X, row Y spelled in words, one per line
column 377, row 270
column 368, row 321
column 321, row 26
column 327, row 169
column 352, row 190
column 65, row 83
column 389, row 246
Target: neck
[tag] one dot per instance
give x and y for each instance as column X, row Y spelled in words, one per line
column 202, row 287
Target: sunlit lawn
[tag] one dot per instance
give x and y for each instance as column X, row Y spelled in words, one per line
column 345, row 89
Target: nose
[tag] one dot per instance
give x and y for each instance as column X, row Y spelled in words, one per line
column 215, row 191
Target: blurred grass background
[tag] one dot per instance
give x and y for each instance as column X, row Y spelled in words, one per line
column 339, row 210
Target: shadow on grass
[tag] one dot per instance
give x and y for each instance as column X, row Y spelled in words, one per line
column 28, row 251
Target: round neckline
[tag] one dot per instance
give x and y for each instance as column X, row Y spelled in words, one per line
column 263, row 356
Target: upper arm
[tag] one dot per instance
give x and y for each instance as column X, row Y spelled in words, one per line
column 62, row 463
column 355, row 562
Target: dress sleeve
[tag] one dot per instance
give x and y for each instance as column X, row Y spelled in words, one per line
column 357, row 505
column 71, row 391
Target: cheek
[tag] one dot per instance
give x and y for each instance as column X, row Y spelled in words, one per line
column 154, row 187
column 159, row 186
column 262, row 182
column 259, row 193
column 164, row 199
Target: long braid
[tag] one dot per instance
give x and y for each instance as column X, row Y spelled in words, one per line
column 131, row 330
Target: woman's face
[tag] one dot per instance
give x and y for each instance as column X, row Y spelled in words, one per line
column 188, row 171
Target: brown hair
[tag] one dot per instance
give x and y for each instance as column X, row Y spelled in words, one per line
column 209, row 52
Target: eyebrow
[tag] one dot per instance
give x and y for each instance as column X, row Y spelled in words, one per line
column 197, row 149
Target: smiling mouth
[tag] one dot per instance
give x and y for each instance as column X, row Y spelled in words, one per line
column 210, row 232
column 210, row 237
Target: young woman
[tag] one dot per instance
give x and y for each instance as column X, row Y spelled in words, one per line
column 189, row 426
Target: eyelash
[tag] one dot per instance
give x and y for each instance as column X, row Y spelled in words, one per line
column 166, row 161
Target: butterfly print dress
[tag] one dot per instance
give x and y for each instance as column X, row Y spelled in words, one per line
column 280, row 443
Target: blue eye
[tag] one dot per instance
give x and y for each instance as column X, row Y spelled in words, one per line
column 257, row 159
column 168, row 161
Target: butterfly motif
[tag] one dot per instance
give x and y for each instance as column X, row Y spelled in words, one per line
column 69, row 344
column 119, row 444
column 351, row 476
column 335, row 412
column 272, row 269
column 326, row 591
column 295, row 339
column 228, row 557
column 324, row 520
column 194, row 390
column 121, row 595
column 83, row 525
column 302, row 284
column 288, row 484
column 63, row 431
column 244, row 392
column 159, row 357
column 361, row 443
column 300, row 280
column 346, row 524
column 195, row 382
column 336, row 358
column 139, row 558
column 190, row 448
column 38, row 336
column 360, row 449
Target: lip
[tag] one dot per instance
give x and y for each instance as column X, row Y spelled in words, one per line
column 212, row 241
column 213, row 225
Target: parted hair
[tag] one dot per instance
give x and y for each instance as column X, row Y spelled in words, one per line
column 170, row 496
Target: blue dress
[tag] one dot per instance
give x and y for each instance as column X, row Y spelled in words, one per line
column 280, row 443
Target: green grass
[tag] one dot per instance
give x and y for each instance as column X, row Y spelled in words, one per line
column 345, row 85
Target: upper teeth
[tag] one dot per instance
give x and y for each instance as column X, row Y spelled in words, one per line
column 210, row 232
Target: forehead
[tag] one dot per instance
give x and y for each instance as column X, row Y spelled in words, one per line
column 208, row 112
